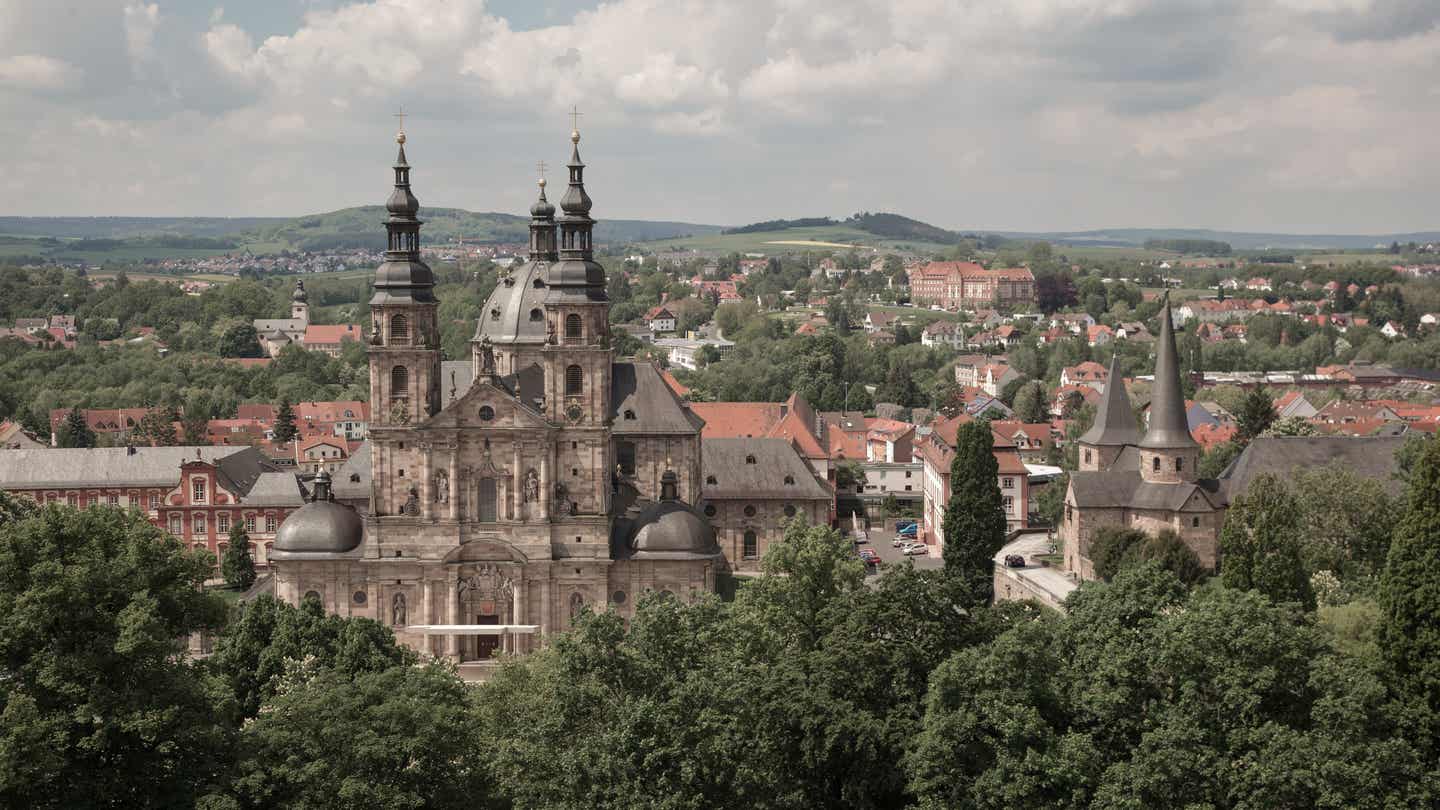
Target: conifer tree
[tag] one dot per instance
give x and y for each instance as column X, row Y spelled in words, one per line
column 285, row 423
column 1410, row 586
column 974, row 521
column 1260, row 546
column 76, row 431
column 238, row 567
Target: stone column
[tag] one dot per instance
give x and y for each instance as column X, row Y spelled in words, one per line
column 427, row 484
column 452, row 642
column 545, row 587
column 517, row 611
column 426, row 616
column 454, row 511
column 545, row 486
column 517, row 486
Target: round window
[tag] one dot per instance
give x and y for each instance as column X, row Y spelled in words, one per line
column 312, row 595
column 789, row 510
column 486, row 413
column 618, row 597
column 709, row 510
column 750, row 511
column 359, row 597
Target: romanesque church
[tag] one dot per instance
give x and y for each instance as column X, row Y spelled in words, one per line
column 555, row 478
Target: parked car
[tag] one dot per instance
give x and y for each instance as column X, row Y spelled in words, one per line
column 1014, row 561
column 869, row 555
column 915, row 549
column 901, row 541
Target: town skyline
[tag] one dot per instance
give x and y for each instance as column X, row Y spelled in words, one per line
column 1027, row 117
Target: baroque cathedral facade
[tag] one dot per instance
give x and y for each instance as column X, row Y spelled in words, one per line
column 560, row 478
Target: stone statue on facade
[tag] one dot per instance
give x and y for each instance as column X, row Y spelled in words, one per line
column 397, row 611
column 532, row 487
column 442, row 487
column 412, row 504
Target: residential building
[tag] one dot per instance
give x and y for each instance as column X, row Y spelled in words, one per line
column 966, row 285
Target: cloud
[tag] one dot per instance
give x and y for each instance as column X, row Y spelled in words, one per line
column 37, row 72
column 970, row 113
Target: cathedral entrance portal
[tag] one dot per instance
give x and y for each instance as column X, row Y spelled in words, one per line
column 485, row 646
column 486, row 595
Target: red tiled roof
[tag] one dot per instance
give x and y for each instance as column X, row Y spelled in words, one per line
column 331, row 333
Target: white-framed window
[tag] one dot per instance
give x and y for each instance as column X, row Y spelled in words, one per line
column 250, row 524
column 72, row 500
column 112, row 499
column 269, row 524
column 197, row 523
column 175, row 525
column 1007, row 483
column 197, row 490
column 222, row 523
column 154, row 501
column 94, row 500
column 1008, row 502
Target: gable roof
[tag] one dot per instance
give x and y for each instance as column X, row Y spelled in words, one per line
column 775, row 459
column 636, row 388
column 1370, row 457
column 237, row 468
column 1114, row 419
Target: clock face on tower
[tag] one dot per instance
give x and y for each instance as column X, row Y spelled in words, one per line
column 573, row 411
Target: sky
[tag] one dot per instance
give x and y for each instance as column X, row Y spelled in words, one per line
column 1309, row 116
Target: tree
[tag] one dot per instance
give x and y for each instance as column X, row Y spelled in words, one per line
column 285, row 429
column 75, row 432
column 1217, row 458
column 1409, row 595
column 238, row 567
column 1290, row 426
column 1032, row 404
column 98, row 704
column 267, row 635
column 1255, row 415
column 1261, row 543
column 239, row 340
column 401, row 737
column 974, row 522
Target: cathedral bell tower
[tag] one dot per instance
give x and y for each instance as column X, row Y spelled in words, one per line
column 1168, row 453
column 577, row 309
column 404, row 337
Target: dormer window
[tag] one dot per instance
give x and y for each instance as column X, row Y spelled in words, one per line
column 537, row 315
column 629, row 415
column 790, row 479
column 495, row 314
column 750, row 459
column 539, row 283
column 710, row 479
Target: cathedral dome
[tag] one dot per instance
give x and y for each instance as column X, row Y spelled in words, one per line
column 671, row 529
column 321, row 526
column 515, row 312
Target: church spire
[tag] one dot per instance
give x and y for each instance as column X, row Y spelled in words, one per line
column 576, row 225
column 1114, row 421
column 403, row 276
column 1169, row 427
column 542, row 224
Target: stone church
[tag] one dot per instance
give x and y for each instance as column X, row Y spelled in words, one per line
column 1146, row 481
column 558, row 478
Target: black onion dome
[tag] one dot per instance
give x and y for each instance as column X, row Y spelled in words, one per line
column 671, row 529
column 321, row 526
column 299, row 295
column 543, row 208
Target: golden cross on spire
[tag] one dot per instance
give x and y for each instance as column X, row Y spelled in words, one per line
column 575, row 115
column 541, row 167
column 401, row 116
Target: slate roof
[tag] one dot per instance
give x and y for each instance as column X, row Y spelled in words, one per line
column 237, row 468
column 267, row 325
column 1127, row 490
column 638, row 388
column 1370, row 457
column 357, row 465
column 276, row 489
column 505, row 318
column 1114, row 420
column 725, row 459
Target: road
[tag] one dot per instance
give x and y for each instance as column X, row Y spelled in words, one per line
column 889, row 555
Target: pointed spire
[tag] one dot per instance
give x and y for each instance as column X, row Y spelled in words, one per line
column 403, row 276
column 576, row 203
column 577, row 273
column 1115, row 420
column 1169, row 426
column 542, row 226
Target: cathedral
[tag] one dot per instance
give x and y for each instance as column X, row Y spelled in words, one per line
column 1146, row 481
column 556, row 478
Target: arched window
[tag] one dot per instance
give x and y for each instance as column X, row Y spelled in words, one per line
column 751, row 548
column 574, row 381
column 625, row 454
column 1155, row 464
column 399, row 329
column 749, row 459
column 1179, row 464
column 572, row 326
column 629, row 415
column 487, row 501
column 399, row 383
column 539, row 283
column 537, row 315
